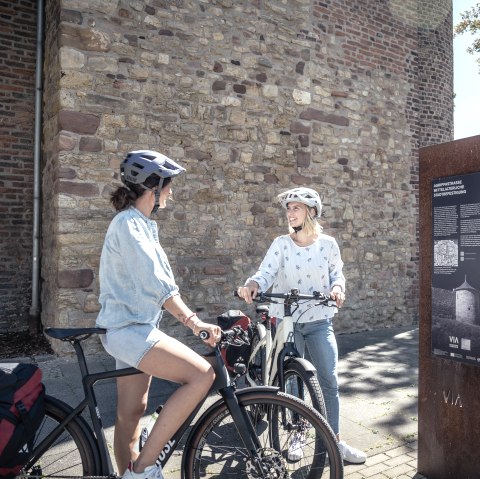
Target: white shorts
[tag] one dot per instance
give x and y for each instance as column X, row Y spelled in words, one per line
column 129, row 344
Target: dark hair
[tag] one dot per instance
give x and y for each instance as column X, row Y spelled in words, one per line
column 122, row 198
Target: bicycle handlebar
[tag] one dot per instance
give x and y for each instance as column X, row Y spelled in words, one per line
column 291, row 297
column 236, row 336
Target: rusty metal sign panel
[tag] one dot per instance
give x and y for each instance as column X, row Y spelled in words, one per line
column 448, row 398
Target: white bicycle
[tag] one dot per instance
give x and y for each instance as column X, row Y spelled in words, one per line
column 274, row 359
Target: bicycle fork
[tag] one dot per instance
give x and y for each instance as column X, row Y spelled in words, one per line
column 242, row 420
column 245, row 428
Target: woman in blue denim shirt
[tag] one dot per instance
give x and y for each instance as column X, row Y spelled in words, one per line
column 308, row 260
column 136, row 284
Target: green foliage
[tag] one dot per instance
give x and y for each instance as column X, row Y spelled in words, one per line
column 470, row 23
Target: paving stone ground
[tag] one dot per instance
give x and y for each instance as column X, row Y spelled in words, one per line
column 378, row 373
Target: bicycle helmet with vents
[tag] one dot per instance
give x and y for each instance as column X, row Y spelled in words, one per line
column 307, row 196
column 140, row 165
column 148, row 169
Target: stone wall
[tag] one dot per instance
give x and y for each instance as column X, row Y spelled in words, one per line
column 252, row 98
column 17, row 100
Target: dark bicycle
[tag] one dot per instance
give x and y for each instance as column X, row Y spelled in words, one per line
column 230, row 438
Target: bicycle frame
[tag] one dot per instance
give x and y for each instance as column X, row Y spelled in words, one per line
column 222, row 384
column 282, row 346
column 226, row 388
column 277, row 350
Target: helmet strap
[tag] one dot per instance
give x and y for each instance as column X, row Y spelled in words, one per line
column 157, row 196
column 157, row 202
column 300, row 228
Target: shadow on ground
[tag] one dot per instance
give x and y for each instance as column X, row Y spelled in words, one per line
column 378, row 375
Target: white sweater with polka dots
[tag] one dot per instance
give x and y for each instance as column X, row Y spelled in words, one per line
column 317, row 267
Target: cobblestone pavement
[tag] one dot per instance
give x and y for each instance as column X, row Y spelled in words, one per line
column 378, row 373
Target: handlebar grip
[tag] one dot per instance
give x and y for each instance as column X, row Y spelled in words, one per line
column 259, row 293
column 204, row 335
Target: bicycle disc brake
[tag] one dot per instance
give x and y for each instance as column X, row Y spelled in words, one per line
column 271, row 463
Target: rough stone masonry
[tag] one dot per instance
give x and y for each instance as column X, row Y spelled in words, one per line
column 252, row 97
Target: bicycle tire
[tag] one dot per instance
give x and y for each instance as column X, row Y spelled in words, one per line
column 215, row 449
column 73, row 454
column 303, row 384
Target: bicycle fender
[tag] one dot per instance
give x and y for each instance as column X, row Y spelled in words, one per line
column 241, row 392
column 305, row 363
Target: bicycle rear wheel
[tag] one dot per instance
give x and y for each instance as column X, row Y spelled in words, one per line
column 73, row 454
column 216, row 450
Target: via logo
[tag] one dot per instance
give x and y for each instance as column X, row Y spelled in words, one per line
column 450, row 398
column 453, row 339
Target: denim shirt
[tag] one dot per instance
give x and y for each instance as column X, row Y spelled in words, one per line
column 135, row 275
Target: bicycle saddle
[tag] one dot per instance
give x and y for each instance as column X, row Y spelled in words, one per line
column 69, row 334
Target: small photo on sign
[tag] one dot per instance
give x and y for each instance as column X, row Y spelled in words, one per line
column 446, row 253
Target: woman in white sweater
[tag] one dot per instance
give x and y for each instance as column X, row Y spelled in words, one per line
column 308, row 260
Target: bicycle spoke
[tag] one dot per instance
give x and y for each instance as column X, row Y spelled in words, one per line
column 71, row 455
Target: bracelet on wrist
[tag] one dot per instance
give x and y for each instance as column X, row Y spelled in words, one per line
column 194, row 325
column 186, row 320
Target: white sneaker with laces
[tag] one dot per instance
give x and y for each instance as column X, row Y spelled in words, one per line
column 350, row 454
column 295, row 449
column 150, row 472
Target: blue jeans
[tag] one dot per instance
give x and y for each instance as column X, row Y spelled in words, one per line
column 317, row 339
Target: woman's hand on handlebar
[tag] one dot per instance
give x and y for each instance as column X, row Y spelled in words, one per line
column 248, row 292
column 214, row 332
column 338, row 296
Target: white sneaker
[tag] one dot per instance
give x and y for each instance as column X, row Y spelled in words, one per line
column 150, row 472
column 295, row 449
column 350, row 454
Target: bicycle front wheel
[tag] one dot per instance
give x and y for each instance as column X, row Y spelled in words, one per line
column 293, row 441
column 303, row 384
column 72, row 454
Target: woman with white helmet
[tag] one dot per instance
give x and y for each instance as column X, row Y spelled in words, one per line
column 308, row 260
column 136, row 284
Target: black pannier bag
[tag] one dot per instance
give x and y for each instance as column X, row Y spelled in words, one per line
column 235, row 354
column 22, row 410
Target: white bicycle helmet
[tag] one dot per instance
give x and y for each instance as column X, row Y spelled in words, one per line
column 307, row 196
column 140, row 165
